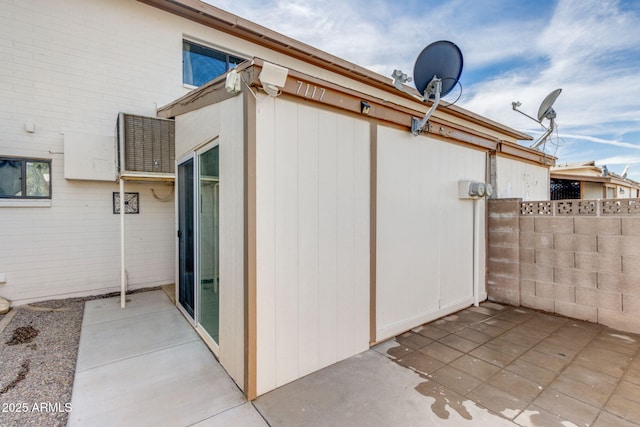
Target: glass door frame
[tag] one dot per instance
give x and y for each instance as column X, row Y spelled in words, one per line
column 195, row 320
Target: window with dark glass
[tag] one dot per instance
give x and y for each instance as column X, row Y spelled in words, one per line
column 562, row 189
column 25, row 178
column 201, row 64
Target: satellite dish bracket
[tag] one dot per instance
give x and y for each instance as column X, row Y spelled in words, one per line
column 439, row 60
column 545, row 135
column 433, row 88
column 545, row 111
column 399, row 81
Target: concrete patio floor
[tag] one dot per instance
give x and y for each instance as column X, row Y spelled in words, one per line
column 491, row 365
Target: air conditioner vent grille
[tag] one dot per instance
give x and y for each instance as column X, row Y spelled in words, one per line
column 148, row 143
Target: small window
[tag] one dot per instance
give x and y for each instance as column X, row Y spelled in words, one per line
column 201, row 64
column 25, row 178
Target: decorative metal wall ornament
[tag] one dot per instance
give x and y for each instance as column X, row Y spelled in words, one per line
column 131, row 205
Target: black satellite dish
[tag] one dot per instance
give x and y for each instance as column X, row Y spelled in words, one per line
column 436, row 72
column 441, row 59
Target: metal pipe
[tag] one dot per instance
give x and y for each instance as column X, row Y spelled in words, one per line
column 123, row 278
column 476, row 252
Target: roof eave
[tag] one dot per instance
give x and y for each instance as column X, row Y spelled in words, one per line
column 229, row 23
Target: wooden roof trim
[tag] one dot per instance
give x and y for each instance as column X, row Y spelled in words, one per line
column 234, row 25
column 609, row 179
column 314, row 90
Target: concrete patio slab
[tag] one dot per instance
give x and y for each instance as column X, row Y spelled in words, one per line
column 491, row 365
column 370, row 390
column 108, row 309
column 244, row 415
column 132, row 336
column 153, row 370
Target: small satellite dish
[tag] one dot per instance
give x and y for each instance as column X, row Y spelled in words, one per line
column 436, row 72
column 545, row 110
column 441, row 59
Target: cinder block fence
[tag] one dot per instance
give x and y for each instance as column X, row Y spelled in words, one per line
column 577, row 258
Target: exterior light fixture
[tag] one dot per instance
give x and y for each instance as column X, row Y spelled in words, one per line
column 365, row 107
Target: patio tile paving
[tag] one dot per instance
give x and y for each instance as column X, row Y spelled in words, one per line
column 567, row 407
column 625, row 402
column 499, row 401
column 589, row 386
column 459, row 343
column 476, row 367
column 441, row 352
column 533, row 373
column 552, row 362
column 606, row 419
column 516, row 385
column 431, row 331
column 456, row 380
column 535, row 369
column 493, row 356
column 420, row 362
column 412, row 340
column 603, row 360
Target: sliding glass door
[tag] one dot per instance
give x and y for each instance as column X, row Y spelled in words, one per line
column 208, row 237
column 199, row 240
column 186, row 241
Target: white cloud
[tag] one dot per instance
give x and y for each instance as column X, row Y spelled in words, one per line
column 589, row 48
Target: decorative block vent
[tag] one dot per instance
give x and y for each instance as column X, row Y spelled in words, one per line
column 146, row 144
column 600, row 207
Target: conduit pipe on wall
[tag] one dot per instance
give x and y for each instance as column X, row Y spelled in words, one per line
column 123, row 278
column 476, row 252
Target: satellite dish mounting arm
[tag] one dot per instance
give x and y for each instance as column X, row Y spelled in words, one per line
column 433, row 88
column 545, row 135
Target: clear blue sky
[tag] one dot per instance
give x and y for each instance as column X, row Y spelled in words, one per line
column 514, row 50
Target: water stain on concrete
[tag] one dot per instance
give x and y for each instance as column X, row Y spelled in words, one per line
column 443, row 397
column 442, row 400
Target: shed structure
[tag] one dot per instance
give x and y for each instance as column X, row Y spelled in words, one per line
column 337, row 228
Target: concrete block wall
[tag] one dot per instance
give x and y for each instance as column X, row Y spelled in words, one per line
column 503, row 255
column 583, row 267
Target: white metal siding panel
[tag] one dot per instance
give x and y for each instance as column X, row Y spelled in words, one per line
column 286, row 241
column 313, row 217
column 424, row 232
column 328, row 142
column 516, row 179
column 265, row 250
column 232, row 302
column 592, row 190
column 223, row 122
column 308, row 239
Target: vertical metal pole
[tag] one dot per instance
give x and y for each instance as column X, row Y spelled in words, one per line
column 123, row 277
column 476, row 252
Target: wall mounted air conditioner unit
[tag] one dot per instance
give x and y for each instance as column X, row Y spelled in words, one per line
column 146, row 145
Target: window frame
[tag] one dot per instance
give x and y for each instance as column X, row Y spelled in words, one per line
column 23, row 178
column 227, row 55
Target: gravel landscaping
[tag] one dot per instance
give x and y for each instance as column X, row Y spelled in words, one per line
column 38, row 352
